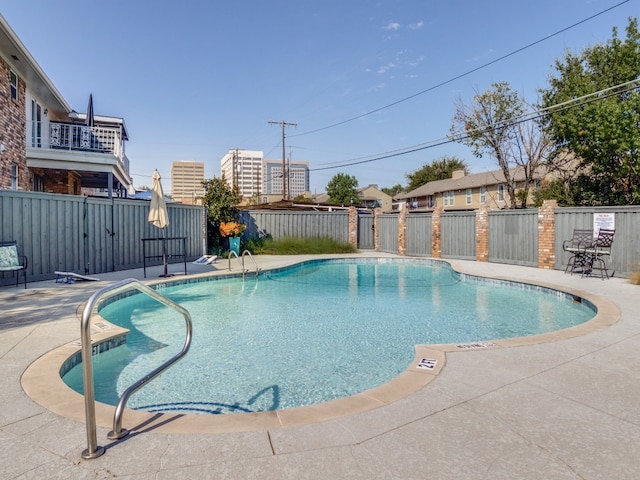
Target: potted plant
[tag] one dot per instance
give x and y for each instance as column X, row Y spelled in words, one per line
column 233, row 230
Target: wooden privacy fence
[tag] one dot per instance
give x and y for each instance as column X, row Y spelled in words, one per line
column 281, row 224
column 88, row 235
column 530, row 237
column 95, row 235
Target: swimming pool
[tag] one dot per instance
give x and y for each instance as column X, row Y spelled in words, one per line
column 310, row 333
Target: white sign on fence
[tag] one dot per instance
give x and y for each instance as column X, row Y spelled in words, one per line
column 606, row 221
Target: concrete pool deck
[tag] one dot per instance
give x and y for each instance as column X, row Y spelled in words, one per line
column 568, row 408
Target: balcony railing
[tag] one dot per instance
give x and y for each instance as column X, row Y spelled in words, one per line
column 76, row 137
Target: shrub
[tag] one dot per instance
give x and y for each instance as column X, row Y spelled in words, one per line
column 297, row 246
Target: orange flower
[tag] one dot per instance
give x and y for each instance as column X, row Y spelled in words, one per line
column 232, row 229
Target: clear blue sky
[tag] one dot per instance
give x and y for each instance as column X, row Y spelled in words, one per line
column 196, row 78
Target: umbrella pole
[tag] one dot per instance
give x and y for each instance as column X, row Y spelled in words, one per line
column 164, row 251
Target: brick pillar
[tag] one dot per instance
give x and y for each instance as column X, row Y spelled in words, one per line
column 436, row 233
column 547, row 234
column 376, row 235
column 482, row 234
column 402, row 232
column 353, row 226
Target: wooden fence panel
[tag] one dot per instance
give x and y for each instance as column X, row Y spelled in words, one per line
column 87, row 235
column 365, row 231
column 458, row 235
column 513, row 237
column 278, row 225
column 625, row 253
column 419, row 234
column 388, row 232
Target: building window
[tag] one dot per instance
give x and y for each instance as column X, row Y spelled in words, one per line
column 483, row 195
column 448, row 198
column 468, row 196
column 501, row 193
column 38, row 183
column 13, row 79
column 14, row 176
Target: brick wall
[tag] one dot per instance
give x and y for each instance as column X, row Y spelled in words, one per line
column 66, row 182
column 12, row 131
column 402, row 232
column 353, row 226
column 436, row 233
column 546, row 234
column 482, row 234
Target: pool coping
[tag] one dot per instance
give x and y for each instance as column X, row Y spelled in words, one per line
column 42, row 382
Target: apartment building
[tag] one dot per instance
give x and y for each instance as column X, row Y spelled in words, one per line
column 295, row 178
column 243, row 169
column 466, row 192
column 47, row 146
column 186, row 182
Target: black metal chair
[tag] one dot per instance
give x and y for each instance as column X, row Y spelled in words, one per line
column 577, row 246
column 597, row 254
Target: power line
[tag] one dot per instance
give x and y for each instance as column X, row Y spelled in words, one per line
column 469, row 72
column 584, row 100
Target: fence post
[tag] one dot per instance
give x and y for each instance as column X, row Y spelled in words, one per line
column 376, row 235
column 353, row 226
column 547, row 234
column 402, row 232
column 436, row 233
column 482, row 234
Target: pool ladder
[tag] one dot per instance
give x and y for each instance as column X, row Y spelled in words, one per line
column 241, row 259
column 93, row 449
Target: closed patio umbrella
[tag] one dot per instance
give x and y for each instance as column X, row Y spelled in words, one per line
column 89, row 121
column 158, row 214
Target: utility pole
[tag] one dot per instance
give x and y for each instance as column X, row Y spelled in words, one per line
column 283, row 124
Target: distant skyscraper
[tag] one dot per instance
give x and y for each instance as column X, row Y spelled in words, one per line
column 186, row 181
column 296, row 177
column 243, row 169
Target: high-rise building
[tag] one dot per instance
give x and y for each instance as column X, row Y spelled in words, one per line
column 186, row 181
column 296, row 177
column 243, row 169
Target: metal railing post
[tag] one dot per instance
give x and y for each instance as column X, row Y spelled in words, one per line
column 93, row 449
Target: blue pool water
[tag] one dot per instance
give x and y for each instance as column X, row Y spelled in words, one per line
column 309, row 334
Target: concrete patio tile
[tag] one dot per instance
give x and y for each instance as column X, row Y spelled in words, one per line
column 19, row 457
column 457, row 443
column 593, row 443
column 334, row 463
column 601, row 380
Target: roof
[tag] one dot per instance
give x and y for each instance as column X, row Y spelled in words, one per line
column 474, row 180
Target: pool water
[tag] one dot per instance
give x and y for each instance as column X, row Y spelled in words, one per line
column 309, row 334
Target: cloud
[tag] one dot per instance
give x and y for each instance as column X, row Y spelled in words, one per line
column 392, row 26
column 417, row 25
column 387, row 67
column 481, row 56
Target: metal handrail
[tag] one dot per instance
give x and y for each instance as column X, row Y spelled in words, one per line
column 231, row 254
column 247, row 252
column 93, row 449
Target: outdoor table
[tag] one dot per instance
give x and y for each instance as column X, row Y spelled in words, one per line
column 164, row 253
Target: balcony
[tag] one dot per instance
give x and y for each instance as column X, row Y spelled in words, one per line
column 94, row 152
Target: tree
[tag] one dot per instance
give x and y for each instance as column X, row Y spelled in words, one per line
column 343, row 189
column 601, row 131
column 440, row 169
column 489, row 127
column 392, row 191
column 221, row 202
column 529, row 151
